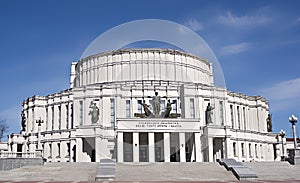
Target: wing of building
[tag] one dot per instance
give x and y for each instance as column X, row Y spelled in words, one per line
column 145, row 105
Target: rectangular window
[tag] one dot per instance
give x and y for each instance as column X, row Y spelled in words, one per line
column 50, row 150
column 231, row 116
column 112, row 112
column 174, row 106
column 243, row 149
column 162, row 105
column 234, row 149
column 46, row 118
column 128, row 113
column 221, row 113
column 32, row 116
column 250, row 151
column 244, row 117
column 67, row 116
column 140, row 108
column 80, row 113
column 59, row 117
column 192, row 108
column 256, row 154
column 239, row 117
column 72, row 120
column 52, row 120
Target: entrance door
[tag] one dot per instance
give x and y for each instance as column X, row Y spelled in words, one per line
column 127, row 147
column 143, row 153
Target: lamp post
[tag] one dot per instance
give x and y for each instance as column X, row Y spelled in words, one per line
column 39, row 122
column 293, row 119
column 282, row 135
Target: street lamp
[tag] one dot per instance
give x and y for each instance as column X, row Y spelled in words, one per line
column 282, row 135
column 39, row 122
column 293, row 119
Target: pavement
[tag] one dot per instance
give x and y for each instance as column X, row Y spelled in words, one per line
column 150, row 173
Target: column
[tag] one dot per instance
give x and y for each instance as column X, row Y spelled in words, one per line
column 198, row 147
column 182, row 147
column 151, row 145
column 210, row 149
column 120, row 147
column 167, row 147
column 98, row 148
column 78, row 150
column 135, row 136
column 72, row 143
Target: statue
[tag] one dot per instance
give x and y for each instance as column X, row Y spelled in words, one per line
column 156, row 104
column 94, row 112
column 166, row 113
column 23, row 121
column 146, row 109
column 209, row 113
column 269, row 123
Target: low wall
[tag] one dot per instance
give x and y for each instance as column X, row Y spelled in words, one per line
column 12, row 163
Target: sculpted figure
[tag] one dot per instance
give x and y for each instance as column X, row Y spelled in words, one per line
column 94, row 112
column 23, row 121
column 269, row 123
column 146, row 109
column 209, row 113
column 156, row 104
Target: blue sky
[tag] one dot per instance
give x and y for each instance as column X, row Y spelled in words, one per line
column 256, row 42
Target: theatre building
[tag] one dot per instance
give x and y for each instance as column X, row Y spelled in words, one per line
column 145, row 105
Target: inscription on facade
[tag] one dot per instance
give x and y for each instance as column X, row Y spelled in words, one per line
column 158, row 124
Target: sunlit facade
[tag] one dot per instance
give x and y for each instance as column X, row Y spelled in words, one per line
column 111, row 111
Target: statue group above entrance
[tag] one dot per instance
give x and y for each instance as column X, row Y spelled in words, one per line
column 156, row 111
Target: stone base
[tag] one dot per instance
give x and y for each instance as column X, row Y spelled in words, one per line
column 294, row 156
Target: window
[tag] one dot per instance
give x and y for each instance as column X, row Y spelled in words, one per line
column 244, row 117
column 50, row 150
column 32, row 116
column 174, row 106
column 231, row 115
column 128, row 113
column 112, row 112
column 256, row 154
column 192, row 108
column 80, row 112
column 52, row 112
column 46, row 119
column 243, row 149
column 140, row 109
column 58, row 149
column 239, row 117
column 234, row 149
column 72, row 121
column 67, row 116
column 221, row 113
column 162, row 105
column 250, row 152
column 59, row 117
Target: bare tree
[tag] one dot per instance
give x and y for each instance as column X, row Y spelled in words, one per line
column 3, row 128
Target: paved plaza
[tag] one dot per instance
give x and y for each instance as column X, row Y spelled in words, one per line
column 150, row 172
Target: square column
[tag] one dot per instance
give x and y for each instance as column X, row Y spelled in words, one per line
column 182, row 147
column 151, row 145
column 120, row 147
column 136, row 155
column 167, row 147
column 210, row 149
column 198, row 147
column 98, row 148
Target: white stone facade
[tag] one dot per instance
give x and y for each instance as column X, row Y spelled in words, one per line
column 111, row 87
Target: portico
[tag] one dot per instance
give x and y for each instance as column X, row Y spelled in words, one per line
column 158, row 140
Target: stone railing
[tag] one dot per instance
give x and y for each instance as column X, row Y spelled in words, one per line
column 17, row 155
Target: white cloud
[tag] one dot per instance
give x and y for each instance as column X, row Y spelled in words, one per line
column 247, row 20
column 235, row 48
column 194, row 24
column 283, row 95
